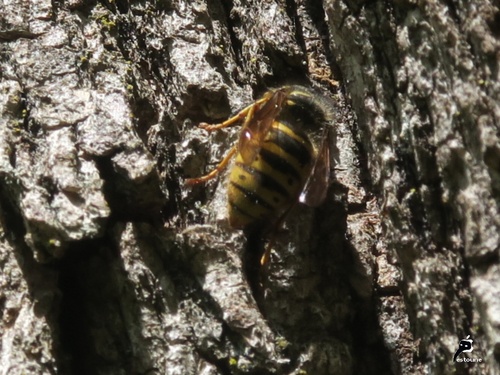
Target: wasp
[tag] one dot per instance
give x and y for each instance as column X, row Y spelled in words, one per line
column 282, row 157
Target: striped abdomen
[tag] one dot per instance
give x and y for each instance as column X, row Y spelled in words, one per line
column 260, row 192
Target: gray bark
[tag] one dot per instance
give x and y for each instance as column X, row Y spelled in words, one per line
column 110, row 265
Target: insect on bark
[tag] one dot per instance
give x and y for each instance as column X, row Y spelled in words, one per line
column 278, row 160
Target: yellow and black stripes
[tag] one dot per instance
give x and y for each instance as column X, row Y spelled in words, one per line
column 293, row 142
column 262, row 190
column 276, row 161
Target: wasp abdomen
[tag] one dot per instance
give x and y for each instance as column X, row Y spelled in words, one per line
column 261, row 191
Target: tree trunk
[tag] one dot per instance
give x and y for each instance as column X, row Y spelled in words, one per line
column 109, row 264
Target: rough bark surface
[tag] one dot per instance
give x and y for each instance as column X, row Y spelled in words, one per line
column 109, row 265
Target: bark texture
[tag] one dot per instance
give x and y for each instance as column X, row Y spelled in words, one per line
column 109, row 265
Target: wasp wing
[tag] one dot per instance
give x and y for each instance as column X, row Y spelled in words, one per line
column 257, row 124
column 316, row 186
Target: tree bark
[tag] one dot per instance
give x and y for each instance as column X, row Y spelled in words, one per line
column 110, row 265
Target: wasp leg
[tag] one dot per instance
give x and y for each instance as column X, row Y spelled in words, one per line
column 267, row 253
column 233, row 120
column 223, row 164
